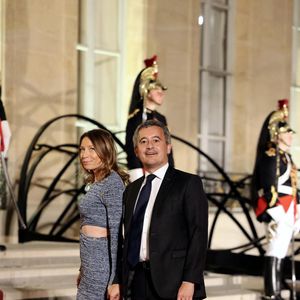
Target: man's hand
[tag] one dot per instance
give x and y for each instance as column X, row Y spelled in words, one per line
column 113, row 292
column 186, row 291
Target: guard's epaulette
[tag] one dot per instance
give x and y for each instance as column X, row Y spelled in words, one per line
column 133, row 113
column 271, row 152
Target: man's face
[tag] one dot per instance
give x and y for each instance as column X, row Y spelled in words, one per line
column 152, row 148
column 285, row 139
column 156, row 95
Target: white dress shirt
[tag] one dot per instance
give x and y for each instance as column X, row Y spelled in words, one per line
column 156, row 182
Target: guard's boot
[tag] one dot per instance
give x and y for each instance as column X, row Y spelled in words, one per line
column 279, row 264
column 272, row 278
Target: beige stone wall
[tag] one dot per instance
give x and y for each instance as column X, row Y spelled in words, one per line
column 135, row 46
column 173, row 33
column 261, row 73
column 40, row 79
column 40, row 69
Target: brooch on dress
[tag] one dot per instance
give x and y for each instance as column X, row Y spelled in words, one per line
column 88, row 187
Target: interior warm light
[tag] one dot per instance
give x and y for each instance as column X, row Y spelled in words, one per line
column 200, row 20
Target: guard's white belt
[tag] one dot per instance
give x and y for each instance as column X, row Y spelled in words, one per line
column 285, row 189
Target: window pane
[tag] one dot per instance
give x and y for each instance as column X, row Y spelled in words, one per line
column 82, row 82
column 83, row 22
column 106, row 24
column 218, row 39
column 296, row 41
column 201, row 40
column 216, row 151
column 296, row 13
column 106, row 70
column 295, row 124
column 222, row 2
column 216, row 106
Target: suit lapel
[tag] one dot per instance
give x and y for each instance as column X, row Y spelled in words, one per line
column 164, row 189
column 135, row 188
column 131, row 199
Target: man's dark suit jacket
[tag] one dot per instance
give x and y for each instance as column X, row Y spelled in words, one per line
column 177, row 236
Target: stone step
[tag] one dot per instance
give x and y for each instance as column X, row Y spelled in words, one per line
column 229, row 287
column 43, row 287
column 38, row 274
column 39, row 253
column 67, row 291
column 257, row 284
column 47, row 283
column 44, row 292
column 59, row 285
column 47, row 270
column 215, row 279
column 231, row 293
column 39, row 270
column 246, row 286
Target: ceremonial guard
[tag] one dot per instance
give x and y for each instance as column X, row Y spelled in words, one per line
column 4, row 143
column 274, row 191
column 148, row 93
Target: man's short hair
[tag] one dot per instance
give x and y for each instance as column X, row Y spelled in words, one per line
column 150, row 123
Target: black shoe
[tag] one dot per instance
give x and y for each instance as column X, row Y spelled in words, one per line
column 2, row 248
column 278, row 297
column 272, row 277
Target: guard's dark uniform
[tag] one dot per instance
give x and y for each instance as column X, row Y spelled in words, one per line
column 4, row 143
column 146, row 80
column 4, row 130
column 2, row 118
column 2, row 111
column 274, row 191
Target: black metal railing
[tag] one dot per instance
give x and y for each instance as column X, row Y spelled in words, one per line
column 63, row 186
column 37, row 153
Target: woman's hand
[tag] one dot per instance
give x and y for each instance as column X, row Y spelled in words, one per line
column 113, row 292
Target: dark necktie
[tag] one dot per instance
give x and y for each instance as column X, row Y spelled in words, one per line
column 137, row 223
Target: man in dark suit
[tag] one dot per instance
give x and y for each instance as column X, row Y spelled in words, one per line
column 173, row 238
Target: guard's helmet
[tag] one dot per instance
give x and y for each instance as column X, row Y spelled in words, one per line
column 278, row 120
column 149, row 77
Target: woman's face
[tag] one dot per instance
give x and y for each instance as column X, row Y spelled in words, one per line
column 156, row 95
column 88, row 156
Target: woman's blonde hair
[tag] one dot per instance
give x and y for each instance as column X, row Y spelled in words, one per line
column 105, row 148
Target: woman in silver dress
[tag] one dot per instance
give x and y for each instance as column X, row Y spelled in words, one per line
column 100, row 214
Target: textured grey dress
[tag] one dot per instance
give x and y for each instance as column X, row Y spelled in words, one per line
column 101, row 206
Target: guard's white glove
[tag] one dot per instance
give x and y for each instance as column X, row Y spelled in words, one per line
column 271, row 230
column 297, row 222
column 296, row 227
